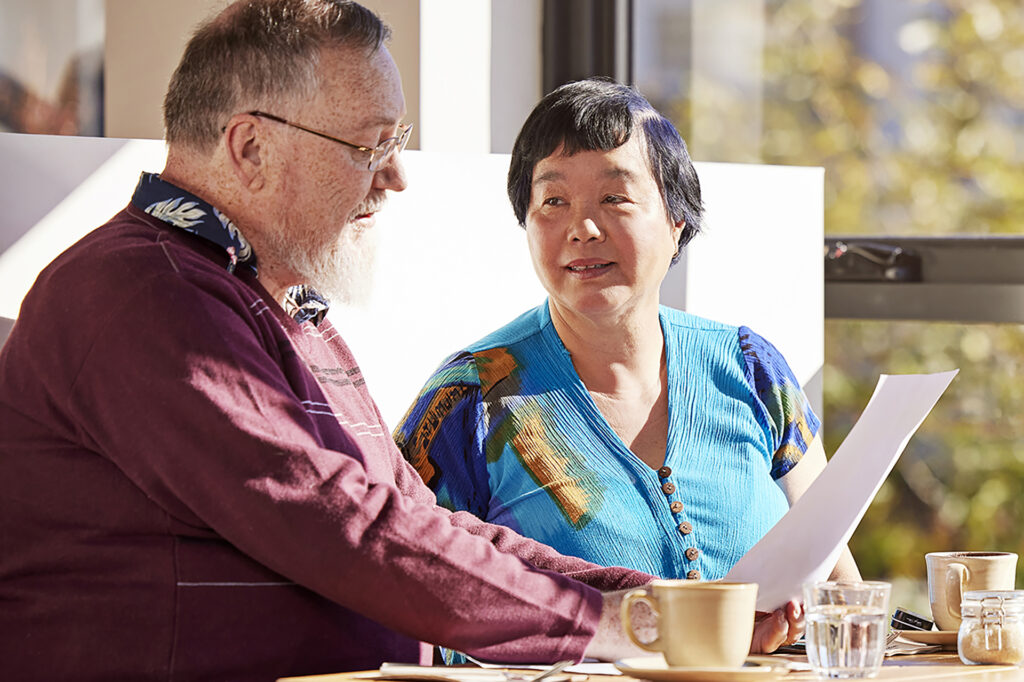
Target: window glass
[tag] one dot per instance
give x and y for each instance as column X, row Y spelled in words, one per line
column 51, row 66
column 915, row 109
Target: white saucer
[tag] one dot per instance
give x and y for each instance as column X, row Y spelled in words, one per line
column 655, row 668
column 946, row 638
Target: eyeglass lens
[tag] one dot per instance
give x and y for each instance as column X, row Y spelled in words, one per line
column 383, row 152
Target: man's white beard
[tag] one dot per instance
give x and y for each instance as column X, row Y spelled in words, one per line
column 341, row 271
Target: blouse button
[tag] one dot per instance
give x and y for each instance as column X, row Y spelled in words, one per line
column 676, row 507
column 692, row 553
column 668, row 487
column 685, row 528
column 693, row 575
column 665, row 472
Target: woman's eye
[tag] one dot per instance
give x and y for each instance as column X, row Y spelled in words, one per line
column 551, row 201
column 614, row 199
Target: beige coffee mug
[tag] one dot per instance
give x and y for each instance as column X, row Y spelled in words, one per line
column 950, row 574
column 700, row 624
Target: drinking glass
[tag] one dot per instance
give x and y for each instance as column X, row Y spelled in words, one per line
column 846, row 627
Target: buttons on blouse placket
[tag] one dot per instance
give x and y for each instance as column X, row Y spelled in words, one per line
column 685, row 527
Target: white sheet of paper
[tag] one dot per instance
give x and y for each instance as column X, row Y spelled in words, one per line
column 805, row 544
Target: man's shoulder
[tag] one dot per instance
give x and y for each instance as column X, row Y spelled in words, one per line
column 124, row 266
column 119, row 257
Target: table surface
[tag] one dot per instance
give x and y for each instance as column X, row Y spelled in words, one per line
column 945, row 666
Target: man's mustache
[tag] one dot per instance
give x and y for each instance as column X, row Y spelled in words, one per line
column 372, row 204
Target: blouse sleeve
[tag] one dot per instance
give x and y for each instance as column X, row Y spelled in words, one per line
column 791, row 420
column 442, row 436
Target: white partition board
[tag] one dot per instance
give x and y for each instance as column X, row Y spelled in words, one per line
column 452, row 263
column 759, row 261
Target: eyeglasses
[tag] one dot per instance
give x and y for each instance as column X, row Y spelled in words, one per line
column 376, row 156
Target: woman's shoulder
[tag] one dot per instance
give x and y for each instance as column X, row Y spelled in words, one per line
column 525, row 326
column 673, row 318
column 491, row 359
column 761, row 353
column 760, row 357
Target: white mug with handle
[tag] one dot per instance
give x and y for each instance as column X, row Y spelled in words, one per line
column 700, row 624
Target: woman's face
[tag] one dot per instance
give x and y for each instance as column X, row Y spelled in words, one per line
column 599, row 235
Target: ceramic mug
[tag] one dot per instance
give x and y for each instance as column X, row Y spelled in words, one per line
column 950, row 574
column 699, row 624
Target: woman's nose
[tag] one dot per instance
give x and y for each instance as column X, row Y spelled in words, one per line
column 583, row 229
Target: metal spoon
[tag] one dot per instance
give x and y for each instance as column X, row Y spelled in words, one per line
column 556, row 668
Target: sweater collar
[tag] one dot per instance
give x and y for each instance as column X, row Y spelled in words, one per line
column 182, row 209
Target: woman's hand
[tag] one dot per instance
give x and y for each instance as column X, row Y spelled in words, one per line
column 775, row 629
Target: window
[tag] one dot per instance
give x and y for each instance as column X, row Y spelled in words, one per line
column 915, row 109
column 51, row 66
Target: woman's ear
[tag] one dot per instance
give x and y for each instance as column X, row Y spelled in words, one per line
column 677, row 229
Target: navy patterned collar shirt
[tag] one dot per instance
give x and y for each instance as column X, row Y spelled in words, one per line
column 184, row 210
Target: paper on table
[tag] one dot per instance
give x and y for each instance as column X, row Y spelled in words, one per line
column 589, row 666
column 805, row 544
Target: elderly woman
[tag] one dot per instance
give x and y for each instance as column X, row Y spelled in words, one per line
column 600, row 422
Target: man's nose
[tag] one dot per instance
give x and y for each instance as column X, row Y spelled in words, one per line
column 391, row 175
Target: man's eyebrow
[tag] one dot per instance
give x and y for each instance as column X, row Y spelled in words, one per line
column 375, row 121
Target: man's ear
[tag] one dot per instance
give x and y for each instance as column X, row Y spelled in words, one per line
column 243, row 141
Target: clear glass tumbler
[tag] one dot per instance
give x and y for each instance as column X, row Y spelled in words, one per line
column 846, row 627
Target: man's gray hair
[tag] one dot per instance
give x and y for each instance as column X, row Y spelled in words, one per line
column 256, row 53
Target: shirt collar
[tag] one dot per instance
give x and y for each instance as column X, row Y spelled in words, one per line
column 186, row 211
column 182, row 209
column 304, row 303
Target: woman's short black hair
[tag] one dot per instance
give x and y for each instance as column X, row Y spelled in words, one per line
column 598, row 114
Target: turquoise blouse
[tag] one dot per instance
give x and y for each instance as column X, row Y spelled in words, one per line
column 505, row 429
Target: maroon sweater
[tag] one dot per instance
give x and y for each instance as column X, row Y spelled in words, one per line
column 194, row 486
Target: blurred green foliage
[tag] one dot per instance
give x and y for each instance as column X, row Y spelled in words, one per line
column 930, row 142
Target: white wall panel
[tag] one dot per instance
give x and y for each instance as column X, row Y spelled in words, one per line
column 453, row 263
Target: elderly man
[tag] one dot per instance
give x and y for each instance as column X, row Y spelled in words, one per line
column 196, row 483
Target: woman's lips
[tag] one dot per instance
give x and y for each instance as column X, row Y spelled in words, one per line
column 588, row 268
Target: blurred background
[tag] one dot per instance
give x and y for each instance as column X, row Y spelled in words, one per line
column 915, row 108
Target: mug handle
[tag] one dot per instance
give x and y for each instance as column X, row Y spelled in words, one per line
column 627, row 623
column 956, row 574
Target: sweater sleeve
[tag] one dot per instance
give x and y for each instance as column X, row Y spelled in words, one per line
column 785, row 406
column 183, row 392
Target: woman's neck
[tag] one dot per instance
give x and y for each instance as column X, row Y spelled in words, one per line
column 614, row 356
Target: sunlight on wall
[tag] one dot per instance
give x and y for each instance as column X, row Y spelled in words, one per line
column 453, row 263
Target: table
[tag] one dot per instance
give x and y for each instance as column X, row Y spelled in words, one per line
column 944, row 666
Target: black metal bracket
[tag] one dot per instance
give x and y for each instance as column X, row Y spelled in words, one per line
column 870, row 262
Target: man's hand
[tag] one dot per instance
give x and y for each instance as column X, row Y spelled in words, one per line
column 771, row 630
column 610, row 643
column 775, row 629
